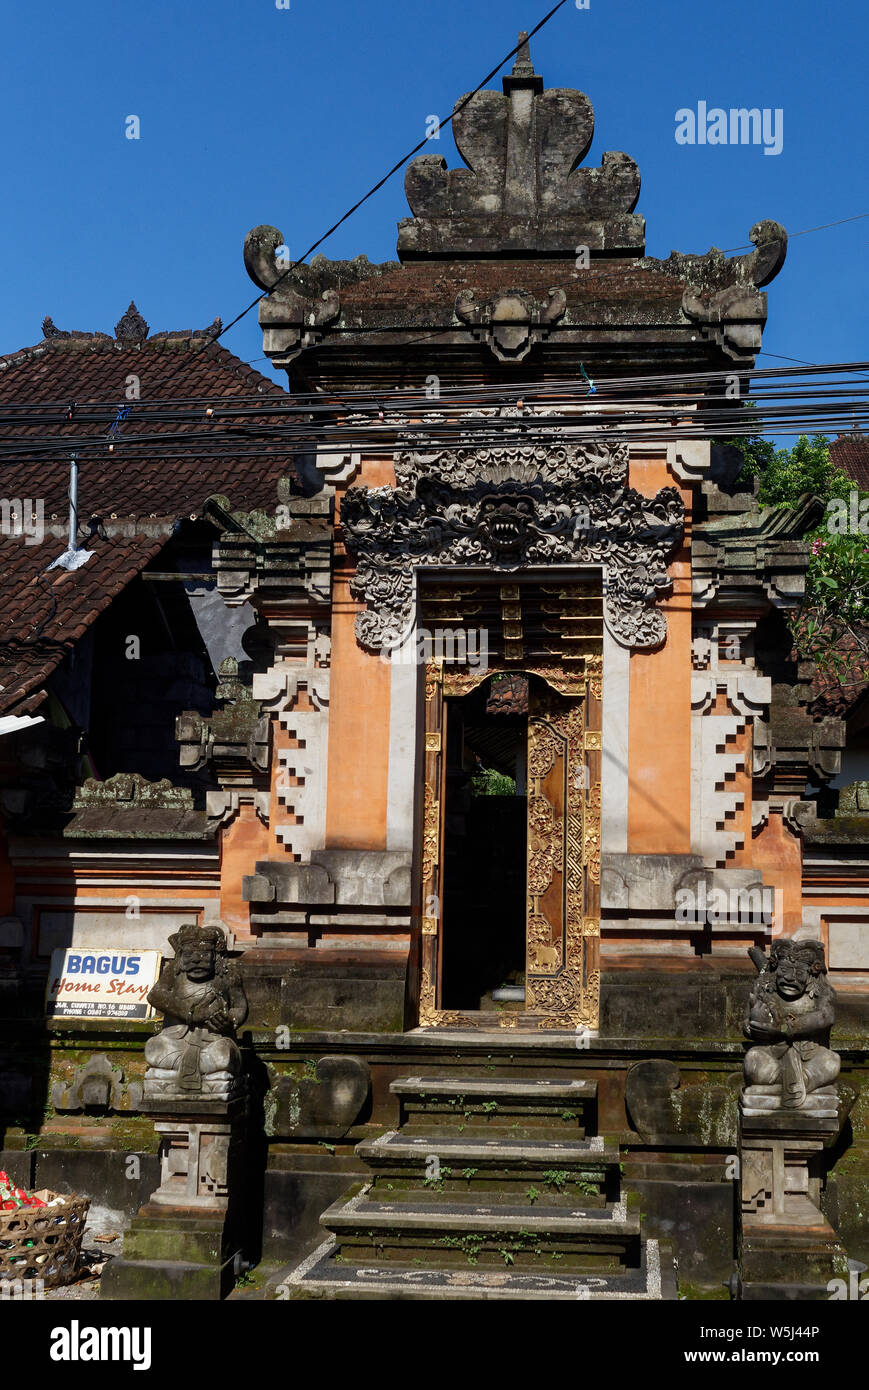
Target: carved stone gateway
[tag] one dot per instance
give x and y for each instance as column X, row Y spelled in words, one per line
column 523, row 505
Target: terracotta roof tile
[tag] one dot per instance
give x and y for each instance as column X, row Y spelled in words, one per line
column 94, row 368
column 850, row 452
column 27, row 588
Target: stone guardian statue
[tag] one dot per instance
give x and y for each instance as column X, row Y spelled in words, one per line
column 790, row 1012
column 202, row 998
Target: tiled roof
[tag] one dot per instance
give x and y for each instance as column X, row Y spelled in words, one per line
column 850, row 452
column 29, row 593
column 427, row 290
column 86, row 368
column 146, row 493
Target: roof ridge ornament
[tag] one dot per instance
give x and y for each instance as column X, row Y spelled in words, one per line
column 522, row 193
column 131, row 327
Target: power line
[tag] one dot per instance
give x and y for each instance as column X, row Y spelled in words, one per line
column 394, row 170
column 204, row 408
column 858, row 217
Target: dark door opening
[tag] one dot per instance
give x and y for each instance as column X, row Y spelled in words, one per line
column 483, row 911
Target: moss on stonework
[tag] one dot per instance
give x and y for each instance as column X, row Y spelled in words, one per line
column 704, row 1293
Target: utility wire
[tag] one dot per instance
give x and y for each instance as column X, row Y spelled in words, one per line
column 858, row 217
column 394, row 170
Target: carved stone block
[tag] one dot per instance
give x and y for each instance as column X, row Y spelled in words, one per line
column 97, row 1086
column 321, row 1106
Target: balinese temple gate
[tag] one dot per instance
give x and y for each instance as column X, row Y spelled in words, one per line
column 540, row 745
column 521, row 768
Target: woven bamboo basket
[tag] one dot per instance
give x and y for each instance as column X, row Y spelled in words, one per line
column 43, row 1242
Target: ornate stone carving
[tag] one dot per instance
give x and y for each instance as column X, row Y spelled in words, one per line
column 96, row 1087
column 523, row 190
column 203, row 1001
column 509, row 506
column 511, row 321
column 235, row 737
column 722, row 295
column 131, row 327
column 790, row 1012
column 291, row 321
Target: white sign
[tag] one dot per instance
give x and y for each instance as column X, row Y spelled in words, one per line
column 85, row 983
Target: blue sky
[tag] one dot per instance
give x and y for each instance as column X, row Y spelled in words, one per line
column 252, row 114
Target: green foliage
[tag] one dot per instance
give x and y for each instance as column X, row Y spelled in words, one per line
column 489, row 782
column 831, row 627
column 556, row 1177
column 787, row 474
column 757, row 455
column 470, row 1245
column 438, row 1183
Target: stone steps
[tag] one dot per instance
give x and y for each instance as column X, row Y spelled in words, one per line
column 490, row 1189
column 478, row 1104
column 396, row 1151
column 321, row 1276
column 377, row 1232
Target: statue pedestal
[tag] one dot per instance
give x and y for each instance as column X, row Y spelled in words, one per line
column 787, row 1248
column 186, row 1241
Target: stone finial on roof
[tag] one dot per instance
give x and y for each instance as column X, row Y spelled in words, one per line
column 523, row 74
column 50, row 330
column 522, row 193
column 131, row 327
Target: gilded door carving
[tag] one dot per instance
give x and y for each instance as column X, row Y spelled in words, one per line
column 562, row 975
column 563, row 848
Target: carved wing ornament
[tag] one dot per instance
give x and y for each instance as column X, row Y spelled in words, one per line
column 505, row 508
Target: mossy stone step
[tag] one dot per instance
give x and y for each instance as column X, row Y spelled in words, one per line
column 558, row 1105
column 411, row 1155
column 554, row 1093
column 324, row 1276
column 368, row 1229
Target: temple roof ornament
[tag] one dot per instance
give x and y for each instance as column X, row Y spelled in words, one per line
column 131, row 327
column 522, row 192
column 522, row 253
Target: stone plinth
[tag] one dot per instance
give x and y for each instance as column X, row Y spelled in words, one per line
column 787, row 1248
column 198, row 1148
column 185, row 1242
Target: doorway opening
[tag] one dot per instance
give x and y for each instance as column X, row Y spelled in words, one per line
column 485, row 842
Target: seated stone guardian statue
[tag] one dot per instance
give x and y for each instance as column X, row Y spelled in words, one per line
column 202, row 998
column 790, row 1012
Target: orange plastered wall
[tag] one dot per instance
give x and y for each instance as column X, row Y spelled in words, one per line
column 244, row 842
column 659, row 771
column 358, row 712
column 778, row 854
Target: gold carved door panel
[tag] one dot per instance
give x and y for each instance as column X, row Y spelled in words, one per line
column 562, row 988
column 562, row 976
